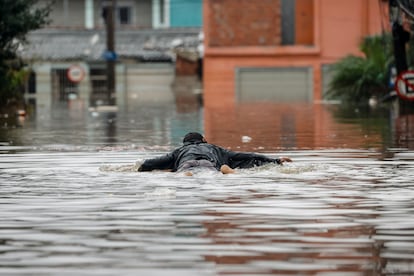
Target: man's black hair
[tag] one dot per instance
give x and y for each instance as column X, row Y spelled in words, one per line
column 193, row 137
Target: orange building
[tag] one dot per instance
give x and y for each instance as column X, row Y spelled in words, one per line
column 266, row 62
column 280, row 50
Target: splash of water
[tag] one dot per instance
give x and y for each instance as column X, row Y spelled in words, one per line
column 121, row 168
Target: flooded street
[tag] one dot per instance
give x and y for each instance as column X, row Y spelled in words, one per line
column 72, row 202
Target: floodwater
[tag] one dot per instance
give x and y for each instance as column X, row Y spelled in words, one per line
column 72, row 202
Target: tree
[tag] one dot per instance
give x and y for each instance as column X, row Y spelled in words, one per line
column 17, row 18
column 356, row 78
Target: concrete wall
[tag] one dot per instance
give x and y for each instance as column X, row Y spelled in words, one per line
column 143, row 13
column 44, row 89
column 43, row 94
column 67, row 13
column 72, row 13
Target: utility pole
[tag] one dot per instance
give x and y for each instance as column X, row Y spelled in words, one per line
column 110, row 54
column 400, row 37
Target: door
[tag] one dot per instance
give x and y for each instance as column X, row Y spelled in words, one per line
column 276, row 84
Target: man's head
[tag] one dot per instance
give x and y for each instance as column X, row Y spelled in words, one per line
column 192, row 137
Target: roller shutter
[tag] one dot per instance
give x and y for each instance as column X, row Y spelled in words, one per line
column 274, row 84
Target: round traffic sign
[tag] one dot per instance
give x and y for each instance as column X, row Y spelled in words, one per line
column 404, row 85
column 75, row 73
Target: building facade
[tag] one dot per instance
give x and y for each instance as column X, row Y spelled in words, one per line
column 147, row 34
column 129, row 14
column 279, row 50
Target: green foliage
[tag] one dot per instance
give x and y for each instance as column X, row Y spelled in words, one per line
column 17, row 18
column 355, row 79
column 11, row 84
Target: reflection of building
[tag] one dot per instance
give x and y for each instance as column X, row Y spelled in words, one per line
column 279, row 50
column 275, row 126
column 281, row 242
column 146, row 32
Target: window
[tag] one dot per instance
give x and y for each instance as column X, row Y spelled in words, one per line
column 297, row 22
column 31, row 83
column 124, row 15
column 288, row 22
column 162, row 12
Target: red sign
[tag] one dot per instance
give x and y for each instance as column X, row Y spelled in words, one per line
column 404, row 85
column 75, row 73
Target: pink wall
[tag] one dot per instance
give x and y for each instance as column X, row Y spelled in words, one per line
column 340, row 23
column 343, row 23
column 339, row 26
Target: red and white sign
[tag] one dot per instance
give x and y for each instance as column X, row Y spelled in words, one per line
column 404, row 85
column 75, row 73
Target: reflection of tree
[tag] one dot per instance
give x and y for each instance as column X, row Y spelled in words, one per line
column 9, row 134
column 372, row 122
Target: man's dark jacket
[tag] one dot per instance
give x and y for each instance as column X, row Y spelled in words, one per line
column 198, row 150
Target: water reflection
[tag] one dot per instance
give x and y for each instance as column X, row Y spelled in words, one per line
column 404, row 131
column 252, row 127
column 146, row 120
column 73, row 203
column 89, row 129
column 273, row 126
column 276, row 248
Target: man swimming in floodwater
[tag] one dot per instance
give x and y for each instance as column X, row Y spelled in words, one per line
column 196, row 154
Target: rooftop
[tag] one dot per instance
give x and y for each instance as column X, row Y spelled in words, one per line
column 142, row 45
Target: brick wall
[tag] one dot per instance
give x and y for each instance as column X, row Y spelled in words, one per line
column 185, row 67
column 244, row 23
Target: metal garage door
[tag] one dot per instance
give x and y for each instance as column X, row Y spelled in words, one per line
column 274, row 84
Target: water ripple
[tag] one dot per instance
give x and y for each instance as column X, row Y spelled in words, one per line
column 91, row 213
